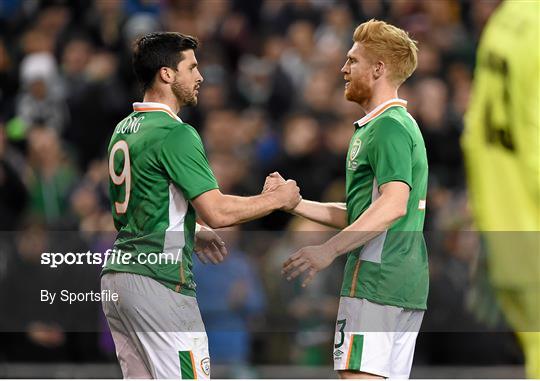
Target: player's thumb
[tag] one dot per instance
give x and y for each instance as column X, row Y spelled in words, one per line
column 276, row 175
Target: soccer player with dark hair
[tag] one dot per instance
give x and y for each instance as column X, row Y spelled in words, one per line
column 385, row 283
column 159, row 180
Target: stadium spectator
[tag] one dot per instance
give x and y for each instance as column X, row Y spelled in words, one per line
column 230, row 313
column 52, row 175
column 40, row 100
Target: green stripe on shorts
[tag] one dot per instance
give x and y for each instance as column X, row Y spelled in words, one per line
column 186, row 365
column 355, row 352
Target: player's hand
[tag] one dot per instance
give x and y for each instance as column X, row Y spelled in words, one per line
column 209, row 246
column 287, row 194
column 308, row 260
column 272, row 181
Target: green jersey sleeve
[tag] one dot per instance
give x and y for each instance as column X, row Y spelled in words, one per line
column 185, row 161
column 390, row 152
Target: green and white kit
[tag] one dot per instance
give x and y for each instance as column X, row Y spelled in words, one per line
column 392, row 269
column 157, row 165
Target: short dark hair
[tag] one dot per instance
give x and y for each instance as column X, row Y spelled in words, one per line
column 160, row 49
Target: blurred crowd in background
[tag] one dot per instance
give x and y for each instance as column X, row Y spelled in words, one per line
column 272, row 99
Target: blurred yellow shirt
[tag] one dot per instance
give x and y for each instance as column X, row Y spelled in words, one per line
column 501, row 143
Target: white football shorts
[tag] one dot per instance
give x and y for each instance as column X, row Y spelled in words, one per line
column 375, row 338
column 158, row 333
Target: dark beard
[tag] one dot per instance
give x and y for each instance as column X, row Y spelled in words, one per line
column 183, row 95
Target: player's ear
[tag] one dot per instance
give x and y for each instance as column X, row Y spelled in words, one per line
column 378, row 69
column 166, row 74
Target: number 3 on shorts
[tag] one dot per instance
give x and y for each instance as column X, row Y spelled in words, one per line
column 341, row 324
column 123, row 177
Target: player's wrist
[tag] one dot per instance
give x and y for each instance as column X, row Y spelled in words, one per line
column 330, row 249
column 297, row 210
column 275, row 201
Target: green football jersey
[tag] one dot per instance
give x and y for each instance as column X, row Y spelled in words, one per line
column 157, row 164
column 391, row 269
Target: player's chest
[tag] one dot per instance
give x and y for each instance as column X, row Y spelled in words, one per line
column 357, row 154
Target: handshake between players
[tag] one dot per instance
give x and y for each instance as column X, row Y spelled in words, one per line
column 310, row 260
column 209, row 246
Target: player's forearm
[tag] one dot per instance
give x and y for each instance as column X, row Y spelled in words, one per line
column 374, row 221
column 235, row 210
column 333, row 214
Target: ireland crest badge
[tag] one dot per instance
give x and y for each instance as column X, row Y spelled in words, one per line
column 355, row 149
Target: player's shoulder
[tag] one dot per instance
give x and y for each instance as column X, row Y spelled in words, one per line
column 181, row 130
column 393, row 128
column 394, row 121
column 181, row 134
column 515, row 17
column 160, row 120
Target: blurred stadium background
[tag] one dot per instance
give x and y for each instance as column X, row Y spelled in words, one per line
column 272, row 99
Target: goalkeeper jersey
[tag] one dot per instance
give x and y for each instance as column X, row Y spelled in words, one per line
column 157, row 164
column 501, row 143
column 391, row 269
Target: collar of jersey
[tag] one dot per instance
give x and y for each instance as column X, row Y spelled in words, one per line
column 379, row 110
column 153, row 107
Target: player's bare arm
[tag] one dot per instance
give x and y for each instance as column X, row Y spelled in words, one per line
column 333, row 214
column 219, row 210
column 388, row 208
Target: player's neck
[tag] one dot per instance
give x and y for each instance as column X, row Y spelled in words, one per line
column 379, row 97
column 154, row 95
